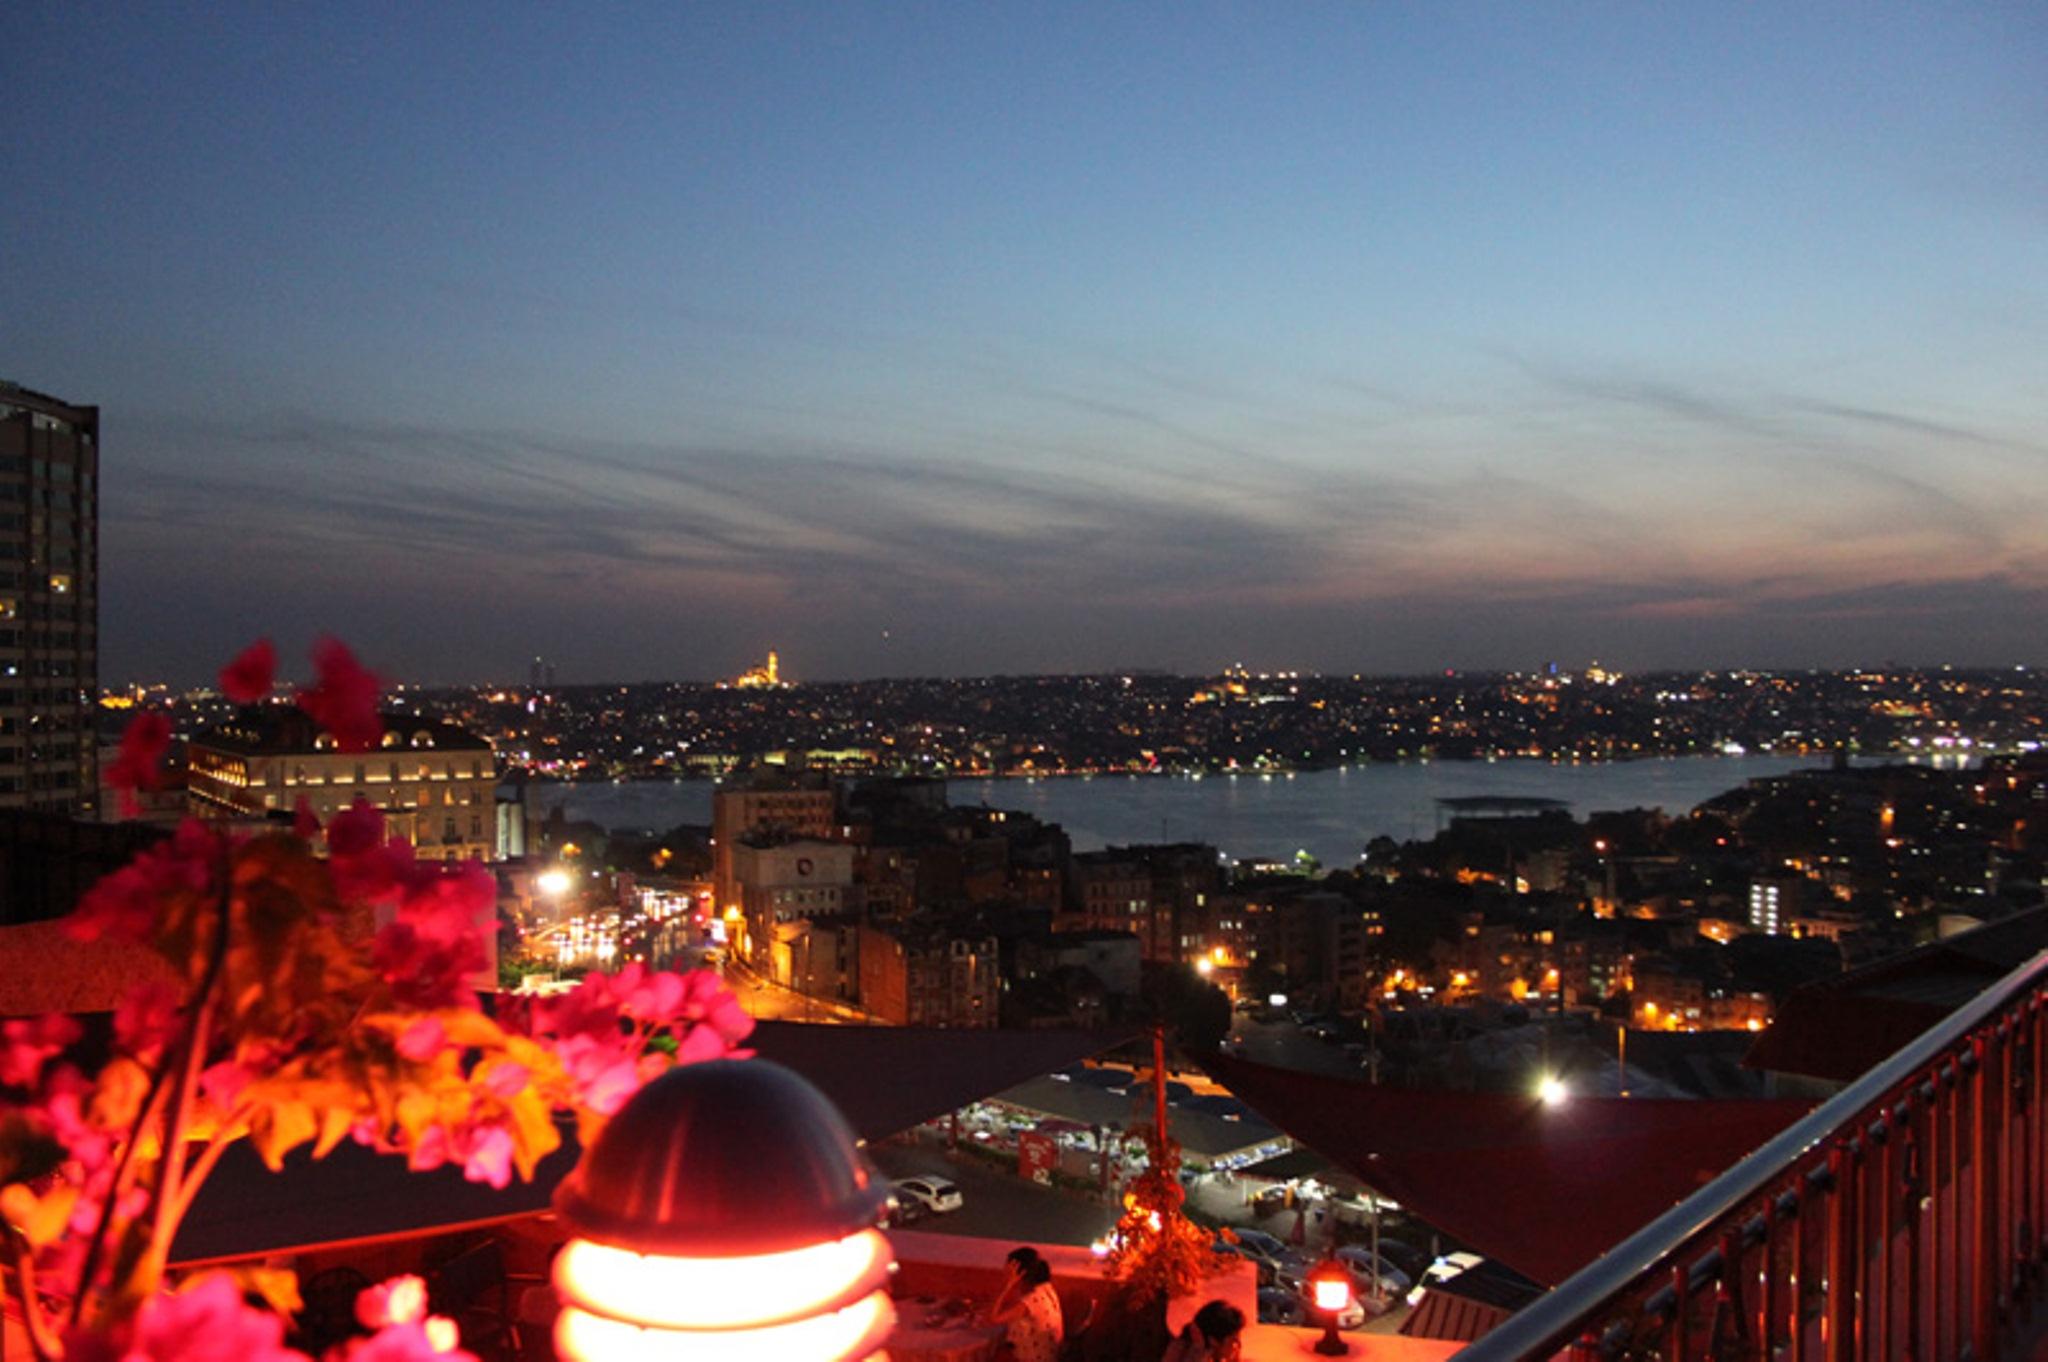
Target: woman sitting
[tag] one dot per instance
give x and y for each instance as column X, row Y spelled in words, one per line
column 1030, row 1308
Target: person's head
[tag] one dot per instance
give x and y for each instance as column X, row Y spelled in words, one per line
column 1219, row 1320
column 1029, row 1267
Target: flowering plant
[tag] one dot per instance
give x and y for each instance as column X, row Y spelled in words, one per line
column 306, row 1001
column 1155, row 1249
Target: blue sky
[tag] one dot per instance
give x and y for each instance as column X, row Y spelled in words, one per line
column 973, row 338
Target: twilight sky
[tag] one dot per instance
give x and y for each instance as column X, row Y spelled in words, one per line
column 914, row 338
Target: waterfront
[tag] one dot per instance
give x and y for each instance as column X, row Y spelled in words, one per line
column 1331, row 814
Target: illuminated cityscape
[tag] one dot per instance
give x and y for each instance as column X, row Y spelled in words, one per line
column 998, row 683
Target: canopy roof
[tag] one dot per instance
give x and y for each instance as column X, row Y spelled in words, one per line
column 883, row 1079
column 1201, row 1133
column 1837, row 1028
column 1544, row 1189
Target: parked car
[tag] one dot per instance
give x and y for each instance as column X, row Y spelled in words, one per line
column 934, row 1194
column 1362, row 1264
column 1404, row 1255
column 1265, row 1248
column 1442, row 1270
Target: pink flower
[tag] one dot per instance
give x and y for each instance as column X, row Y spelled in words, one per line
column 366, row 866
column 139, row 763
column 507, row 1079
column 656, row 998
column 489, row 1157
column 62, row 1104
column 357, row 829
column 343, row 700
column 422, row 1040
column 25, row 1046
column 248, row 678
column 146, row 1017
column 125, row 905
column 429, row 1151
column 706, row 999
column 222, row 1083
column 428, row 954
column 604, row 1070
column 429, row 1340
column 400, row 1300
column 206, row 1322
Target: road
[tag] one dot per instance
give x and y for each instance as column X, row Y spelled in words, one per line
column 768, row 1001
column 996, row 1204
column 1284, row 1045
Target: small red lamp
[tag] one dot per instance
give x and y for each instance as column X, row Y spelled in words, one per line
column 1330, row 1292
column 725, row 1213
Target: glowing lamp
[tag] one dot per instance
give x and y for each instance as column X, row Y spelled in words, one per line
column 1552, row 1090
column 724, row 1214
column 1329, row 1288
column 552, row 882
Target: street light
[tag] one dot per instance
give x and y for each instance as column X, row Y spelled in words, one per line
column 1330, row 1292
column 553, row 883
column 1552, row 1091
column 724, row 1214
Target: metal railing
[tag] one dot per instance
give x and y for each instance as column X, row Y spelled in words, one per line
column 1903, row 1219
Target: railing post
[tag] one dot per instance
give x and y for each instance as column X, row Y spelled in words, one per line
column 2030, row 1221
column 2038, row 1137
column 1767, row 1293
column 1838, row 1302
column 1681, row 1282
column 1913, row 1192
column 1880, row 1336
column 1731, row 1319
column 2012, row 1157
column 1949, row 1289
column 1983, row 1204
column 1802, row 1202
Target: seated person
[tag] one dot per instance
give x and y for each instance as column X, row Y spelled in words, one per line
column 1211, row 1336
column 1029, row 1308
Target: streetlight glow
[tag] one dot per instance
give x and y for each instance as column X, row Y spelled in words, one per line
column 1552, row 1090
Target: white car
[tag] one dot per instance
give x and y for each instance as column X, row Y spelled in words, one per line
column 1442, row 1270
column 934, row 1194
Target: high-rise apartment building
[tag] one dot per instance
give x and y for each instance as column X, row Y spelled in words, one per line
column 789, row 803
column 49, row 602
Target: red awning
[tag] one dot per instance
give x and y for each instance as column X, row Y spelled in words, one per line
column 1059, row 1125
column 1544, row 1189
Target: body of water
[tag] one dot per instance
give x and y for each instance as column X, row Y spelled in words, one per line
column 1330, row 814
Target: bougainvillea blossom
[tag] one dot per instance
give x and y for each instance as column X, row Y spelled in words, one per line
column 27, row 1045
column 344, row 696
column 306, row 1001
column 248, row 678
column 139, row 764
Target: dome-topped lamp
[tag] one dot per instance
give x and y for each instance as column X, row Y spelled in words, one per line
column 1330, row 1285
column 724, row 1213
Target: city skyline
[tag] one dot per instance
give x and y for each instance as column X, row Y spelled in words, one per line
column 1355, row 339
